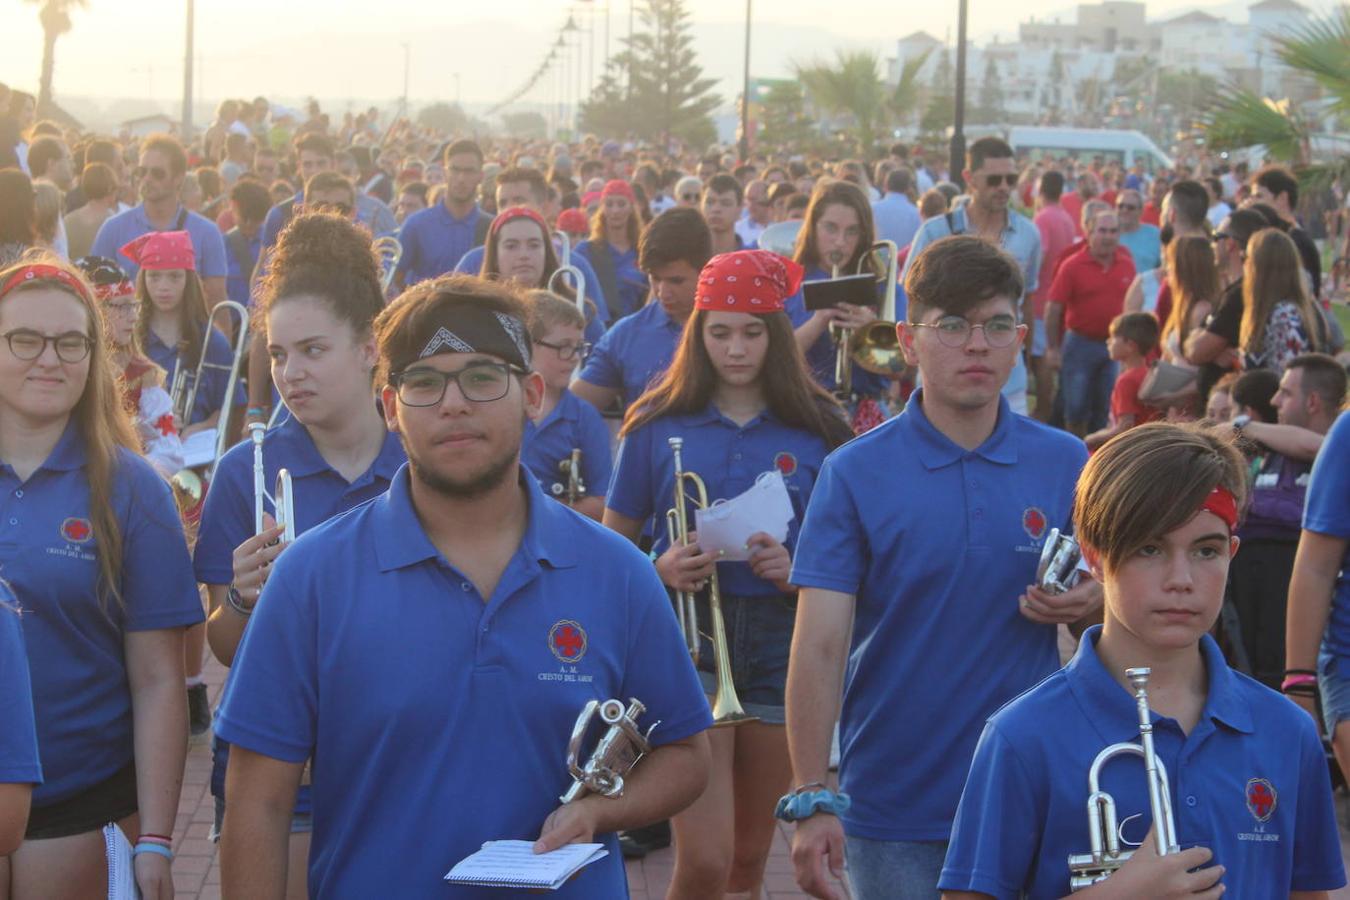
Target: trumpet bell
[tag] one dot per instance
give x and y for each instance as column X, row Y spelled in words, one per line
column 876, row 349
column 188, row 489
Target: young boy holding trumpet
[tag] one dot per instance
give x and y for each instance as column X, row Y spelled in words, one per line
column 1244, row 801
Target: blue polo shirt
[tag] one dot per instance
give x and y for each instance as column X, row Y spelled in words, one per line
column 18, row 735
column 631, row 281
column 236, row 279
column 820, row 357
column 472, row 264
column 207, row 242
column 434, row 241
column 1020, row 238
column 211, row 392
column 1328, row 512
column 728, row 457
column 320, row 493
column 76, row 638
column 430, row 710
column 1145, row 246
column 634, row 352
column 369, row 212
column 1249, row 782
column 572, row 423
column 936, row 543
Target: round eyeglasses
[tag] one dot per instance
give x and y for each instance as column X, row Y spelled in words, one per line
column 479, row 382
column 568, row 350
column 955, row 332
column 28, row 345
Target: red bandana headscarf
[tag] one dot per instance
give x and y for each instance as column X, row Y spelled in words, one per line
column 161, row 250
column 748, row 281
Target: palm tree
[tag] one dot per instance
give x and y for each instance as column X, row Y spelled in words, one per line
column 851, row 86
column 906, row 100
column 1240, row 117
column 55, row 18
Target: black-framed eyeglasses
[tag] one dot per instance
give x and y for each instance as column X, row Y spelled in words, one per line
column 28, row 345
column 480, row 382
column 689, row 198
column 568, row 350
column 342, row 209
column 158, row 173
column 994, row 181
column 122, row 307
column 955, row 332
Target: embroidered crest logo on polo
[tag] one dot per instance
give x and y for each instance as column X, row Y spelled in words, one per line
column 76, row 530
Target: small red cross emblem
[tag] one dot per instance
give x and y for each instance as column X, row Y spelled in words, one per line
column 76, row 530
column 567, row 640
column 1261, row 798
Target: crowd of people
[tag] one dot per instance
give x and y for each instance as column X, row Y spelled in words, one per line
column 478, row 436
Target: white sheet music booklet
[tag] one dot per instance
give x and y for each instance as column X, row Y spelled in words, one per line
column 727, row 524
column 515, row 864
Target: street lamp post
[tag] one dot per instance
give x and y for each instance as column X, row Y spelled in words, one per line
column 745, row 92
column 187, row 74
column 957, row 160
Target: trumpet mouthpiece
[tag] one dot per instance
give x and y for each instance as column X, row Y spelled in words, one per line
column 675, row 443
column 1138, row 677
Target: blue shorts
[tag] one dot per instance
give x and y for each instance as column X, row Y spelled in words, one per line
column 1334, row 685
column 894, row 870
column 759, row 636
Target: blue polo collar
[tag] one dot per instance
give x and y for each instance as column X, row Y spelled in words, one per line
column 68, row 455
column 1110, row 707
column 401, row 542
column 935, row 450
column 303, row 459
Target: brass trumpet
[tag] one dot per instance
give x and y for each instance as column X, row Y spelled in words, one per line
column 188, row 485
column 283, row 497
column 1087, row 869
column 570, row 469
column 389, row 252
column 578, row 284
column 727, row 708
column 876, row 346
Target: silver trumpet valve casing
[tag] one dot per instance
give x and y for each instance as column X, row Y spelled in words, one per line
column 618, row 750
column 1106, row 855
column 1059, row 568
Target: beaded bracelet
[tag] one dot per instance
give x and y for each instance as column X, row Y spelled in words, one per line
column 156, row 839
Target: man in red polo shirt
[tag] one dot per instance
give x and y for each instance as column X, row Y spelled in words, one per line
column 1088, row 292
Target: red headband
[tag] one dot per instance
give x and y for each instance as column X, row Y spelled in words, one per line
column 516, row 212
column 43, row 272
column 748, row 281
column 620, row 188
column 123, row 288
column 1223, row 504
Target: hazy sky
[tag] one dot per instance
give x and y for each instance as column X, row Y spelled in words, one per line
column 348, row 48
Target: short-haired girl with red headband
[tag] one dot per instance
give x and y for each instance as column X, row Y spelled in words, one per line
column 739, row 395
column 1156, row 513
column 91, row 543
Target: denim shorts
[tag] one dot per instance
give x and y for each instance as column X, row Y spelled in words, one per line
column 1334, row 685
column 301, row 823
column 759, row 636
column 894, row 870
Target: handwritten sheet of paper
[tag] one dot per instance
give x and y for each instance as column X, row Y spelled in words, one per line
column 515, row 864
column 728, row 524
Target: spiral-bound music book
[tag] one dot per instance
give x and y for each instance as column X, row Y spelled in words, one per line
column 121, row 878
column 515, row 864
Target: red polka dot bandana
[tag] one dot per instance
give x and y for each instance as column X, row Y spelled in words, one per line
column 42, row 272
column 748, row 281
column 161, row 250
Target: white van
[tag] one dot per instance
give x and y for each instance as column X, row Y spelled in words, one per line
column 1124, row 147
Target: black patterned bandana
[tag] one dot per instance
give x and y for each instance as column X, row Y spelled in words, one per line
column 469, row 328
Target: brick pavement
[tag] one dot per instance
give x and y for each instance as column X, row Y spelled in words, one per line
column 196, row 870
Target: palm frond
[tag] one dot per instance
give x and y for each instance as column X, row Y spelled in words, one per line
column 1241, row 118
column 1321, row 50
column 904, row 97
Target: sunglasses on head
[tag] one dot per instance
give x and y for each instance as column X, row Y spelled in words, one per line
column 158, row 173
column 994, row 181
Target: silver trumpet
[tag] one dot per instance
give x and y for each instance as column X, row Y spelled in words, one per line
column 389, row 252
column 1087, row 869
column 283, row 498
column 1060, row 568
column 578, row 284
column 616, row 753
column 564, row 247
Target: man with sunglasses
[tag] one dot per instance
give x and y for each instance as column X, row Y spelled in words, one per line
column 160, row 173
column 430, row 651
column 1142, row 240
column 955, row 477
column 991, row 177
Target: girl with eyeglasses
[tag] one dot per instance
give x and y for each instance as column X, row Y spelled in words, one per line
column 172, row 325
column 565, row 422
column 739, row 395
column 315, row 308
column 519, row 248
column 142, row 382
column 93, row 548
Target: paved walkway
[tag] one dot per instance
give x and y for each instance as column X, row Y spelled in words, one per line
column 197, row 870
